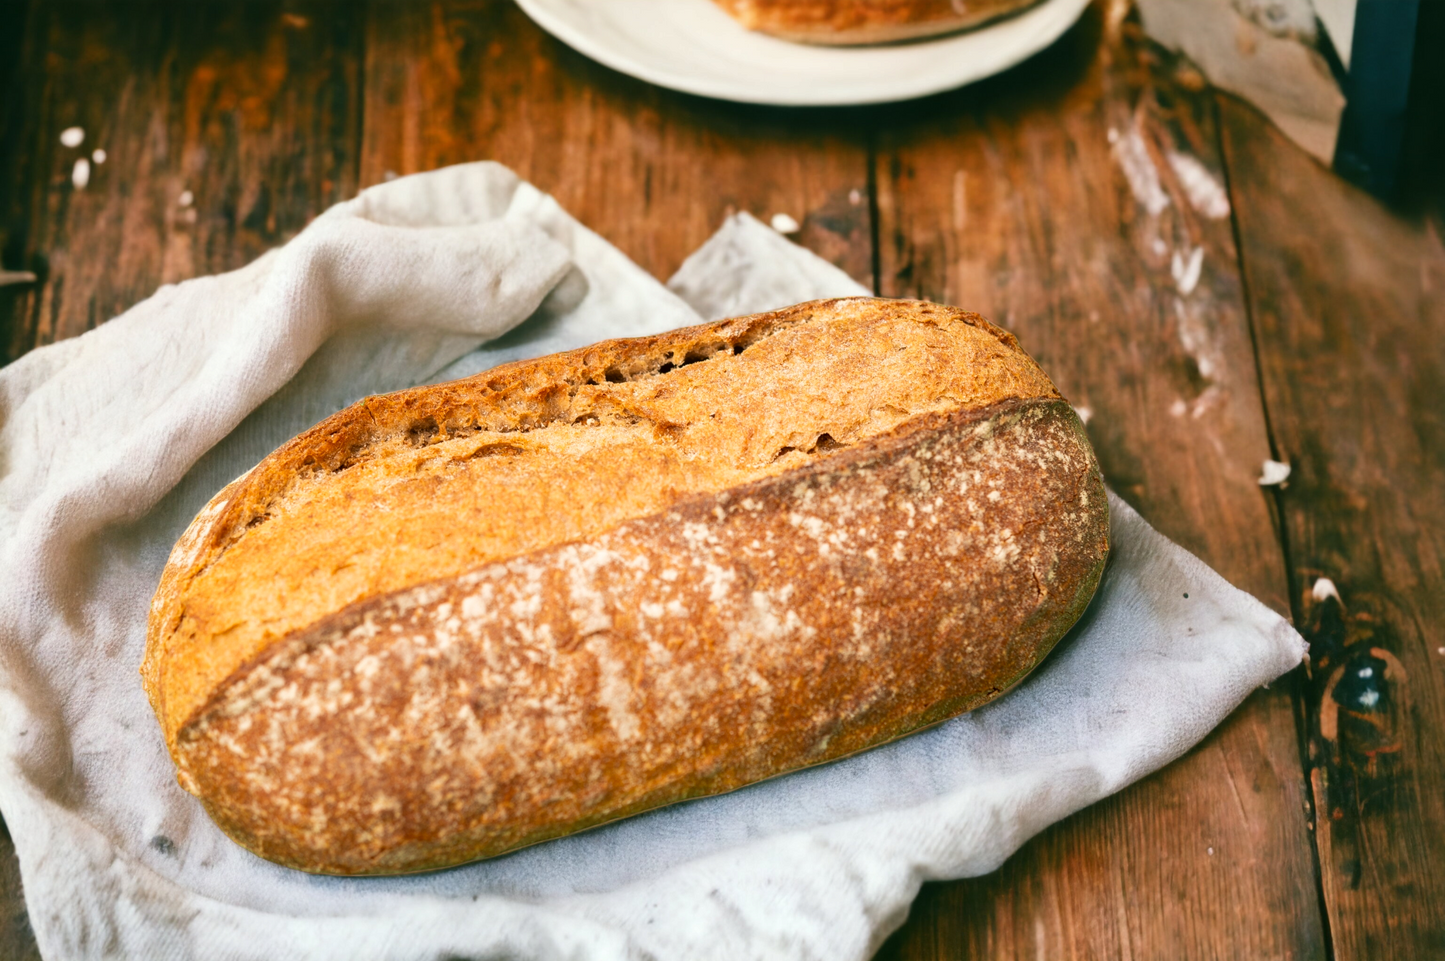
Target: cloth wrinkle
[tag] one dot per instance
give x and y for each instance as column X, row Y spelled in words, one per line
column 110, row 444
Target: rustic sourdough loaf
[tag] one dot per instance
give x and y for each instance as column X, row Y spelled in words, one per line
column 848, row 22
column 455, row 620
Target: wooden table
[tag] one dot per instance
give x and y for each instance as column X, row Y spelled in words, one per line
column 1311, row 824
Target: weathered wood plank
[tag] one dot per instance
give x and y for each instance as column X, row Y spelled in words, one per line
column 252, row 108
column 1348, row 306
column 225, row 128
column 17, row 940
column 22, row 55
column 653, row 171
column 1045, row 199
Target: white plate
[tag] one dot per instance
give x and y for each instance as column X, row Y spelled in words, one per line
column 691, row 45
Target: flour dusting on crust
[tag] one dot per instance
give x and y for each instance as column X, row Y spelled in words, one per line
column 795, row 620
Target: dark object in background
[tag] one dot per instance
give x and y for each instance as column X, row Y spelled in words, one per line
column 1377, row 90
column 1421, row 185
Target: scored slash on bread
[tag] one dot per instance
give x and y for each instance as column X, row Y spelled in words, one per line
column 456, row 620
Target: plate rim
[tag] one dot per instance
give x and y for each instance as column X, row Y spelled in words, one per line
column 1054, row 18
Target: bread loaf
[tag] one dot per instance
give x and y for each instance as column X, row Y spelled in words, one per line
column 849, row 22
column 455, row 620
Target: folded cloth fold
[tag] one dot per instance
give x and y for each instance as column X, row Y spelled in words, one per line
column 112, row 441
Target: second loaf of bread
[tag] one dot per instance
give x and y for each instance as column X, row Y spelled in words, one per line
column 456, row 620
column 850, row 22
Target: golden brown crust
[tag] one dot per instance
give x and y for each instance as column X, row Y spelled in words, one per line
column 850, row 22
column 789, row 622
column 436, row 481
column 856, row 518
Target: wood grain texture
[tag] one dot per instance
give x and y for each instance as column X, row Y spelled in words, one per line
column 254, row 108
column 22, row 77
column 18, row 78
column 653, row 171
column 17, row 940
column 1006, row 199
column 1015, row 198
column 225, row 129
column 1348, row 303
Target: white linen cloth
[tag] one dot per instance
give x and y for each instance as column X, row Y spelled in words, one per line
column 112, row 441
